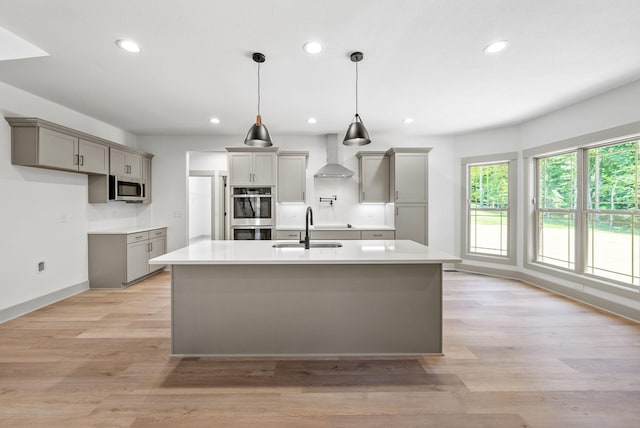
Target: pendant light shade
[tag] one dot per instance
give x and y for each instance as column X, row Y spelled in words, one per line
column 357, row 134
column 258, row 135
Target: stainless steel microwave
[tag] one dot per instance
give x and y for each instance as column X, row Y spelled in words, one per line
column 126, row 189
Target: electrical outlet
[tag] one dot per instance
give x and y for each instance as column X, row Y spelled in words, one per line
column 63, row 218
column 40, row 267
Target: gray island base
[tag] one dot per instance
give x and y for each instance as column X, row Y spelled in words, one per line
column 366, row 300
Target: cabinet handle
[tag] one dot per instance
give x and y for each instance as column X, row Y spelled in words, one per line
column 150, row 246
column 396, row 211
column 396, row 195
column 81, row 160
column 158, row 233
column 363, row 196
column 141, row 236
column 303, row 198
column 377, row 235
column 76, row 159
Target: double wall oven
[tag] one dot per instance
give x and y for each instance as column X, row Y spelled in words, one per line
column 253, row 212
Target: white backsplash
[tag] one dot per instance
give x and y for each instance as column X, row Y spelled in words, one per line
column 345, row 209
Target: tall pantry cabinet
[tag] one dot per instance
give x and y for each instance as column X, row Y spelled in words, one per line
column 409, row 191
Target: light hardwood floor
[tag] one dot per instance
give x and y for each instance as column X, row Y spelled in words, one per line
column 515, row 356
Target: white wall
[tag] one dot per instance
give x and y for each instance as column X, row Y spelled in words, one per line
column 613, row 108
column 45, row 215
column 170, row 182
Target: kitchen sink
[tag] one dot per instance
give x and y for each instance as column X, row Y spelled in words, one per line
column 326, row 244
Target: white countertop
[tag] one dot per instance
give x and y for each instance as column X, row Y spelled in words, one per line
column 336, row 227
column 262, row 252
column 124, row 230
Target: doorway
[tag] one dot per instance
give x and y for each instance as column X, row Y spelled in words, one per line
column 207, row 197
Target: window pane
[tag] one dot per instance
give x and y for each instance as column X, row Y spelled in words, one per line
column 557, row 184
column 612, row 247
column 489, row 186
column 613, row 178
column 556, row 237
column 488, row 232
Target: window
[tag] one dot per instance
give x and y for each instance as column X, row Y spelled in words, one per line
column 612, row 217
column 586, row 212
column 556, row 209
column 489, row 218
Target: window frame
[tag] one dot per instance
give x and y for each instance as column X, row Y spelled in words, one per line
column 576, row 278
column 511, row 160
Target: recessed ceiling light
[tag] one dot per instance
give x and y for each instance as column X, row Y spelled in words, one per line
column 408, row 120
column 496, row 47
column 312, row 120
column 129, row 46
column 312, row 47
column 214, row 120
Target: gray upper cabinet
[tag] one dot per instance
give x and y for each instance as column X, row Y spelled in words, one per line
column 48, row 148
column 252, row 167
column 125, row 164
column 373, row 171
column 94, row 157
column 56, row 149
column 292, row 176
column 409, row 175
column 43, row 144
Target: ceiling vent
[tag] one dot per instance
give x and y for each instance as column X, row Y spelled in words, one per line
column 333, row 169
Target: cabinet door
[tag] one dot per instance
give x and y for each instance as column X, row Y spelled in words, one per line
column 135, row 165
column 288, row 234
column 157, row 247
column 292, row 178
column 57, row 150
column 94, row 157
column 374, row 178
column 410, row 178
column 264, row 169
column 333, row 234
column 240, row 169
column 117, row 162
column 137, row 260
column 378, row 234
column 411, row 223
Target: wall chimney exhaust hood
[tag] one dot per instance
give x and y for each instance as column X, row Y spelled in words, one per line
column 333, row 169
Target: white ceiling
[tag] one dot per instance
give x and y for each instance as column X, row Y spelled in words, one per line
column 423, row 59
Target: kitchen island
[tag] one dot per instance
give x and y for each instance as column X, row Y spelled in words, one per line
column 247, row 298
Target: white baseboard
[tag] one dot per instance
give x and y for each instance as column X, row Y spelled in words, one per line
column 42, row 301
column 580, row 296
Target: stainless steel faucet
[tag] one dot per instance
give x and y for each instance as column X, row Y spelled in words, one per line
column 308, row 219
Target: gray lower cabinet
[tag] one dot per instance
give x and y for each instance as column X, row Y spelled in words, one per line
column 284, row 234
column 117, row 260
column 411, row 222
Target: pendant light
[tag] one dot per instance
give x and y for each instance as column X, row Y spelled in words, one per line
column 258, row 135
column 357, row 134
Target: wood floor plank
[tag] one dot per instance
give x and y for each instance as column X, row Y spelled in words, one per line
column 515, row 356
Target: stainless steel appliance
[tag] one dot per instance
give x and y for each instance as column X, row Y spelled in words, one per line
column 126, row 189
column 253, row 233
column 252, row 206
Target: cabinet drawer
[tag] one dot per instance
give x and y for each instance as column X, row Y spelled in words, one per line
column 287, row 234
column 378, row 234
column 137, row 237
column 157, row 233
column 334, row 234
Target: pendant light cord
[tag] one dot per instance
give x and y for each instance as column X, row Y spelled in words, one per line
column 258, row 89
column 356, row 89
